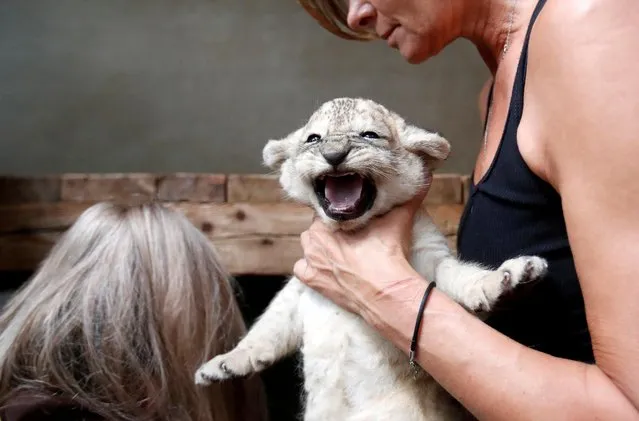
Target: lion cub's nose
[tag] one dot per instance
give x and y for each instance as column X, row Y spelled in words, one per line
column 335, row 157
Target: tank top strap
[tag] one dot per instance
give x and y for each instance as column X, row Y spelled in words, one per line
column 516, row 105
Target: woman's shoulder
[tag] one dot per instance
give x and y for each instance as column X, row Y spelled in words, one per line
column 572, row 27
column 581, row 54
column 566, row 16
column 570, row 33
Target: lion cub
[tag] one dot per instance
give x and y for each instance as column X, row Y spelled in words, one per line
column 354, row 160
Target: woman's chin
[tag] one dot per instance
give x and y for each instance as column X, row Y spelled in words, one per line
column 412, row 55
column 413, row 52
column 415, row 59
column 416, row 48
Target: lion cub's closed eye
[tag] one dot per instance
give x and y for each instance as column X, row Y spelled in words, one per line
column 351, row 161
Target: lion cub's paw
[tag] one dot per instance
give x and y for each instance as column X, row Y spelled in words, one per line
column 493, row 284
column 521, row 270
column 236, row 363
column 222, row 367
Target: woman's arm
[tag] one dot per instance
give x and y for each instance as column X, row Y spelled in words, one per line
column 493, row 376
column 586, row 94
column 592, row 149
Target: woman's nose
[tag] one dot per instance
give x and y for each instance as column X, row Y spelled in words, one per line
column 361, row 15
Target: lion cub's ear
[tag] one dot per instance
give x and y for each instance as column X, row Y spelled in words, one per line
column 276, row 151
column 424, row 142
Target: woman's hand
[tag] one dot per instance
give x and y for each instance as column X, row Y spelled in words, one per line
column 354, row 269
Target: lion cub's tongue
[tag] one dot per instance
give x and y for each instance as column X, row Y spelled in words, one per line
column 343, row 192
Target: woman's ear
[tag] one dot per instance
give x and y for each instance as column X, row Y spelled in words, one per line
column 276, row 151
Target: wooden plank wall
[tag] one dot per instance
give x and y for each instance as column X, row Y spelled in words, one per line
column 253, row 227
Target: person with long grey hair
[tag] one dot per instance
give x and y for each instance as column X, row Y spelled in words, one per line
column 112, row 326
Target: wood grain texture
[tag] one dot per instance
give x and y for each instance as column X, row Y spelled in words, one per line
column 259, row 255
column 216, row 219
column 108, row 187
column 254, row 228
column 254, row 188
column 251, row 238
column 446, row 217
column 234, row 220
column 24, row 252
column 258, row 188
column 247, row 255
column 35, row 217
column 445, row 189
column 15, row 190
column 187, row 187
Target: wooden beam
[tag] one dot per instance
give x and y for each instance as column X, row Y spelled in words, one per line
column 248, row 255
column 250, row 237
column 259, row 255
column 254, row 188
column 192, row 187
column 36, row 217
column 445, row 189
column 248, row 219
column 236, row 220
column 218, row 220
column 187, row 187
column 260, row 188
column 446, row 217
column 112, row 187
column 15, row 189
column 24, row 252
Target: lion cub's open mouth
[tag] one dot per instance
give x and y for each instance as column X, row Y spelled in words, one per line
column 345, row 196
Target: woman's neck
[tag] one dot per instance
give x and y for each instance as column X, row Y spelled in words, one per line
column 491, row 25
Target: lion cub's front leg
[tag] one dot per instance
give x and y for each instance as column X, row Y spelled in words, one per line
column 476, row 288
column 274, row 335
column 479, row 289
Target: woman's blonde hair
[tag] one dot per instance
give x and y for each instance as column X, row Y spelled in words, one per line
column 331, row 15
column 120, row 314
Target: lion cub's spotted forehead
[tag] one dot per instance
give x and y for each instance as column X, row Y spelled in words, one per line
column 347, row 115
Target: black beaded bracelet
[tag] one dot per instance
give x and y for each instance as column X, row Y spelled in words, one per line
column 418, row 322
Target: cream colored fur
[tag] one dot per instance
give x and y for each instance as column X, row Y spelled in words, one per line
column 351, row 373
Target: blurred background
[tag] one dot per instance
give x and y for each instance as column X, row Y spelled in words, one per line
column 199, row 85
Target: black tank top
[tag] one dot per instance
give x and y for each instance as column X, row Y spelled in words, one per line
column 512, row 212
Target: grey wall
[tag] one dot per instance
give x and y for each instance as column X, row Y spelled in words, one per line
column 198, row 85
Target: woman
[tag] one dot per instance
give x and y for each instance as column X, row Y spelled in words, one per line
column 555, row 178
column 115, row 322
